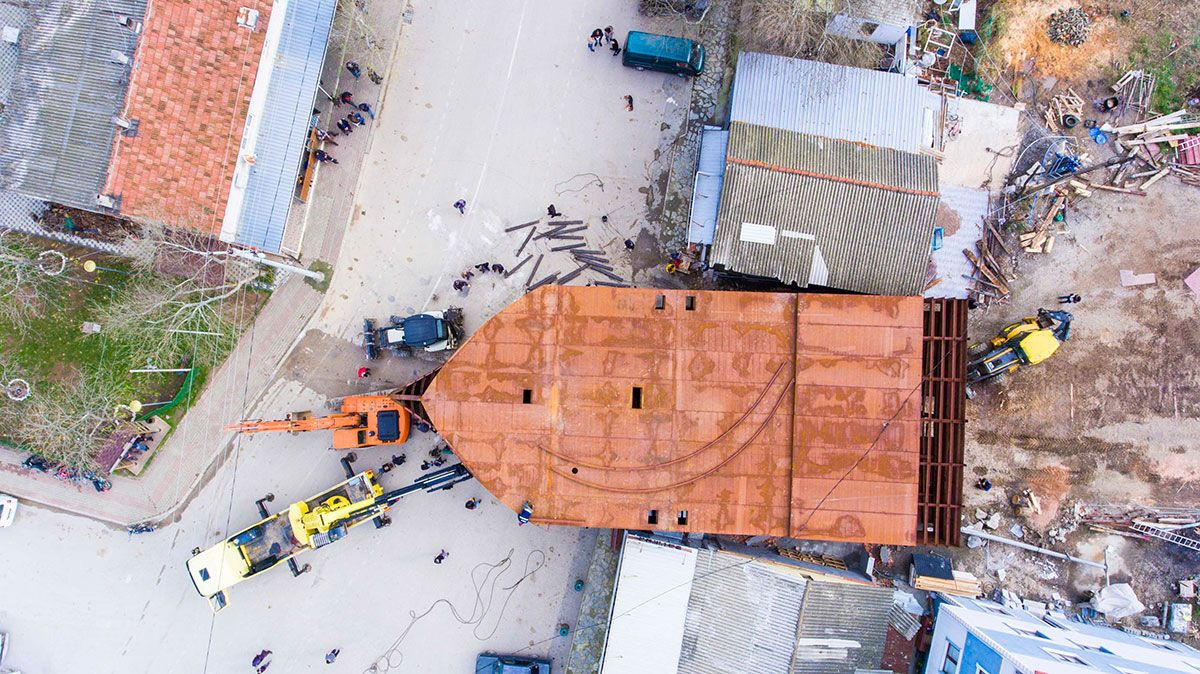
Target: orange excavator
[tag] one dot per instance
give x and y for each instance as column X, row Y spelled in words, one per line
column 365, row 421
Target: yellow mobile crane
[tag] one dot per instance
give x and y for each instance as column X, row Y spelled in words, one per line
column 313, row 523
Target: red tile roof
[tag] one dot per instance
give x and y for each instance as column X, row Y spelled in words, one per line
column 190, row 90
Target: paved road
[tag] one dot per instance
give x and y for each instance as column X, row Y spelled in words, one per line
column 496, row 102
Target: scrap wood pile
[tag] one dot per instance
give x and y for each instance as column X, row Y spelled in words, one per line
column 1065, row 111
column 1173, row 525
column 1156, row 147
column 1070, row 26
column 992, row 263
column 566, row 237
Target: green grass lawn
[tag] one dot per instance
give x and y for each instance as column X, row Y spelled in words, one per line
column 57, row 358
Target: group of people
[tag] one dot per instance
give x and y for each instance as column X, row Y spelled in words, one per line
column 463, row 284
column 346, row 124
column 263, row 660
column 601, row 37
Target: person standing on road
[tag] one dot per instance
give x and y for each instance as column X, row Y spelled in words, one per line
column 354, row 69
column 399, row 459
column 1069, row 299
column 553, row 212
column 345, row 127
column 366, row 107
column 258, row 659
column 472, row 503
column 374, row 76
column 597, row 36
column 331, row 656
column 461, row 205
column 345, row 98
column 323, row 156
column 441, row 557
column 357, row 118
column 325, row 137
column 628, row 102
column 615, row 47
column 608, row 34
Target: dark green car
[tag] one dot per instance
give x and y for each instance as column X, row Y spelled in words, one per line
column 664, row 53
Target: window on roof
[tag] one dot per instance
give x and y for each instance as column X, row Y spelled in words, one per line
column 1126, row 670
column 980, row 670
column 1065, row 657
column 1166, row 646
column 1027, row 631
column 950, row 662
column 992, row 608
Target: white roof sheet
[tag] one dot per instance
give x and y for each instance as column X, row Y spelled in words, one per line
column 823, row 99
column 649, row 608
column 969, row 205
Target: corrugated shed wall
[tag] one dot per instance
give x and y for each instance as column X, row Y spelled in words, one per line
column 822, row 99
column 742, row 617
column 57, row 128
column 284, row 128
column 873, row 239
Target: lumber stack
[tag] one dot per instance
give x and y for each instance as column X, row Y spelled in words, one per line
column 964, row 584
column 991, row 259
column 820, row 560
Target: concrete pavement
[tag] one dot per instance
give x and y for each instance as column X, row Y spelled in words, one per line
column 499, row 103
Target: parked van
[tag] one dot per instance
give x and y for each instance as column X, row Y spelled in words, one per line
column 664, row 53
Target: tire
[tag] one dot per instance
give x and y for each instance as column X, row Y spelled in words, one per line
column 352, row 457
column 639, row 69
column 1000, row 379
column 269, row 498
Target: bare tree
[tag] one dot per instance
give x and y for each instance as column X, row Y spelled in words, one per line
column 67, row 423
column 25, row 279
column 178, row 292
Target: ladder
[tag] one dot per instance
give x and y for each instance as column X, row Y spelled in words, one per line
column 1151, row 530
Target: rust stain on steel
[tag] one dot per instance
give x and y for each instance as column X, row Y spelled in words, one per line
column 760, row 413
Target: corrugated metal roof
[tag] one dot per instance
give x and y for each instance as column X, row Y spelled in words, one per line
column 843, row 628
column 823, row 99
column 279, row 138
column 743, row 616
column 866, row 213
column 962, row 208
column 755, row 410
column 706, row 195
column 646, row 627
column 57, row 129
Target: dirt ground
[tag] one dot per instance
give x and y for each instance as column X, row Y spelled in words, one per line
column 1156, row 34
column 1112, row 417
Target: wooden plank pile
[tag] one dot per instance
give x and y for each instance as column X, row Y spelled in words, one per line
column 820, row 560
column 991, row 260
column 1156, row 148
column 964, row 584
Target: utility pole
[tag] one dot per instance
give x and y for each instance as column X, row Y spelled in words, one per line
column 261, row 259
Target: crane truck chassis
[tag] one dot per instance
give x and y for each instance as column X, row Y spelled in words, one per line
column 305, row 525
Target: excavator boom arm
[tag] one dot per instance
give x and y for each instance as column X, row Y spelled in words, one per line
column 333, row 421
